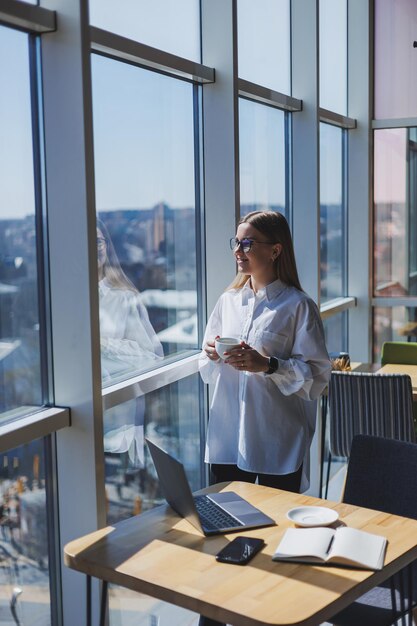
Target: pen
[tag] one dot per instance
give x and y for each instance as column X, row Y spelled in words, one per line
column 330, row 545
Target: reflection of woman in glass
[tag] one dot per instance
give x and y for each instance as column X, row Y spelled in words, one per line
column 128, row 344
column 128, row 341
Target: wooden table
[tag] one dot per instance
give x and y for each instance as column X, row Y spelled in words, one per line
column 161, row 555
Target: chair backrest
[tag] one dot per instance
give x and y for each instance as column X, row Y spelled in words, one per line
column 369, row 404
column 382, row 475
column 399, row 352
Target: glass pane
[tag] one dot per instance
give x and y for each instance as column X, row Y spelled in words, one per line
column 395, row 59
column 335, row 329
column 157, row 23
column 332, row 213
column 333, row 55
column 264, row 43
column 262, row 158
column 24, row 575
column 395, row 212
column 393, row 324
column 171, row 417
column 145, row 197
column 20, row 381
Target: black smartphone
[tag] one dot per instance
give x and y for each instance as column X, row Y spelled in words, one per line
column 240, row 551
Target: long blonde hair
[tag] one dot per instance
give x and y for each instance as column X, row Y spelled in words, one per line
column 274, row 227
column 112, row 270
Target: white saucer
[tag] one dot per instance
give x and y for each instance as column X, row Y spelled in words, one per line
column 312, row 516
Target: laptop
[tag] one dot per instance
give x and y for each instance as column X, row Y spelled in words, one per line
column 212, row 514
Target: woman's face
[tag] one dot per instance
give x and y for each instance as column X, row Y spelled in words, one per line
column 259, row 261
column 101, row 250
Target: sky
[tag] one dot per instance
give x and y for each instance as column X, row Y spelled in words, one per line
column 16, row 164
column 143, row 121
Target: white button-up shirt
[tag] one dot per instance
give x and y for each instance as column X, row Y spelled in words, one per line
column 265, row 423
column 128, row 340
column 128, row 344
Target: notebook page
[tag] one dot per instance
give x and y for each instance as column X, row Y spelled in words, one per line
column 299, row 542
column 358, row 546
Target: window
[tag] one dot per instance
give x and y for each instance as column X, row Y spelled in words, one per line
column 262, row 156
column 332, row 213
column 335, row 330
column 168, row 416
column 20, row 352
column 157, row 23
column 395, row 59
column 145, row 197
column 390, row 323
column 395, row 231
column 333, row 55
column 24, row 575
column 264, row 43
column 395, row 212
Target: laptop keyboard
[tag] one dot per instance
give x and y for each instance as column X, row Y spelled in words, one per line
column 212, row 516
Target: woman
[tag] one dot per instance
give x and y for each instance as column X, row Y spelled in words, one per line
column 128, row 344
column 128, row 340
column 263, row 412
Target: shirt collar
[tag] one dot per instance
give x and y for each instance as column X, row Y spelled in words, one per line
column 103, row 286
column 271, row 291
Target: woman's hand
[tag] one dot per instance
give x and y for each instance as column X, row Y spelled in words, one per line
column 210, row 350
column 247, row 359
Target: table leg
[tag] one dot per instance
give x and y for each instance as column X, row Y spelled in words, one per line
column 103, row 603
column 88, row 580
column 324, row 401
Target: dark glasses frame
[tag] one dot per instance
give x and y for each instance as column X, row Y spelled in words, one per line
column 245, row 244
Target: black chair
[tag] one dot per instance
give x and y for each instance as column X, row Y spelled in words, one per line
column 368, row 404
column 382, row 475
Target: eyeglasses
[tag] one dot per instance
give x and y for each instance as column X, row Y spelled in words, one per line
column 101, row 242
column 245, row 244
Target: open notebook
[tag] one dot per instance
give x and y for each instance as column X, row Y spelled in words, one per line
column 343, row 546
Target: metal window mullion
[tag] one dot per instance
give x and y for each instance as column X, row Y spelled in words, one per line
column 408, row 242
column 27, row 17
column 345, row 204
column 406, row 122
column 40, row 224
column 38, row 424
column 338, row 305
column 200, row 265
column 221, row 141
column 305, row 144
column 406, row 301
column 305, row 165
column 149, row 381
column 360, row 176
column 288, row 167
column 52, row 522
column 336, row 119
column 263, row 95
column 130, row 51
column 199, row 212
column 69, row 158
